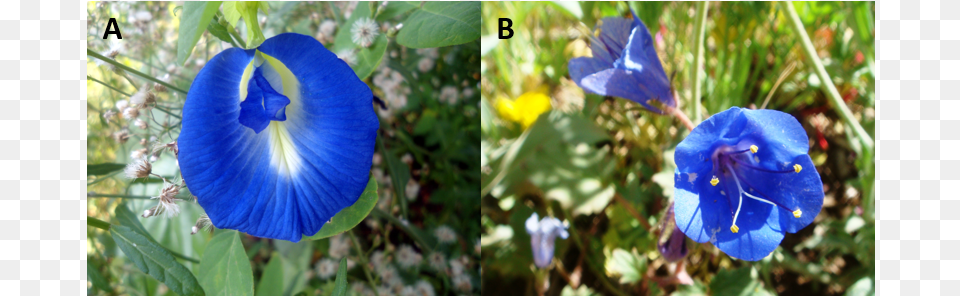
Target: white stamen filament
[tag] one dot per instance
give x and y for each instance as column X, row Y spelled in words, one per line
column 739, row 196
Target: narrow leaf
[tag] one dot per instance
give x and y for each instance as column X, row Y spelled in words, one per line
column 271, row 283
column 441, row 24
column 368, row 59
column 193, row 22
column 219, row 31
column 101, row 169
column 340, row 288
column 156, row 261
column 349, row 217
column 127, row 218
column 224, row 268
column 97, row 279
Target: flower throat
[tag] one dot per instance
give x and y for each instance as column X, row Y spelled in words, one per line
column 725, row 160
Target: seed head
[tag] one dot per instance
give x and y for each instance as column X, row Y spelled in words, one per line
column 445, row 234
column 131, row 113
column 138, row 168
column 121, row 136
column 363, row 32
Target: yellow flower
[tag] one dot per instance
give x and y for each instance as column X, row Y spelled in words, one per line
column 525, row 109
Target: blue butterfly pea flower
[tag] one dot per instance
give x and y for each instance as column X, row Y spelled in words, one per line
column 624, row 64
column 743, row 179
column 276, row 140
column 543, row 233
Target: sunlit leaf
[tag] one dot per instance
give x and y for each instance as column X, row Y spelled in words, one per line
column 193, row 22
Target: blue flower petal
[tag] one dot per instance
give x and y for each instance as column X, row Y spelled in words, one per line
column 289, row 179
column 609, row 45
column 705, row 212
column 626, row 84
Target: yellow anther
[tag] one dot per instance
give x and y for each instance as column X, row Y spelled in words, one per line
column 797, row 167
column 714, row 181
column 734, row 229
column 797, row 213
column 754, row 148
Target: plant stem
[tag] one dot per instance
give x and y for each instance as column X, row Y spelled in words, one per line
column 131, row 70
column 398, row 189
column 633, row 211
column 168, row 112
column 363, row 260
column 701, row 27
column 825, row 82
column 111, row 87
column 91, row 221
column 681, row 116
column 406, row 228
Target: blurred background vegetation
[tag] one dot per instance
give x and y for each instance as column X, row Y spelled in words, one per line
column 421, row 238
column 605, row 166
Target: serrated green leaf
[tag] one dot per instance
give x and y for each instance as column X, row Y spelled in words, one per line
column 156, row 261
column 340, row 288
column 193, row 22
column 439, row 24
column 630, row 266
column 224, row 268
column 100, row 169
column 271, row 283
column 349, row 217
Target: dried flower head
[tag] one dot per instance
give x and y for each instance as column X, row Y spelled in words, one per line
column 363, row 32
column 109, row 114
column 138, row 168
column 202, row 223
column 122, row 105
column 167, row 201
column 437, row 261
column 462, row 282
column 121, row 136
column 131, row 113
column 424, row 288
column 140, row 123
column 326, row 268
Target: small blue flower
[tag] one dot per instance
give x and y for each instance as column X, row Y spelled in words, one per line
column 542, row 235
column 624, row 64
column 743, row 179
column 276, row 140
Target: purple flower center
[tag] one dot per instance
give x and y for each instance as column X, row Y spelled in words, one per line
column 730, row 162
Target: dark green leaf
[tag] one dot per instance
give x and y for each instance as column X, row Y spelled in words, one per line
column 427, row 120
column 395, row 8
column 127, row 218
column 219, row 31
column 368, row 59
column 349, row 217
column 224, row 268
column 156, row 261
column 341, row 284
column 193, row 22
column 103, row 168
column 738, row 282
column 271, row 283
column 96, row 278
column 441, row 24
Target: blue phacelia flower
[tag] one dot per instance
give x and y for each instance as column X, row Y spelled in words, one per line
column 743, row 179
column 543, row 233
column 624, row 64
column 276, row 140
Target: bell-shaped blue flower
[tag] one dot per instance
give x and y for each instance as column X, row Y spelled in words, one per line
column 624, row 64
column 543, row 233
column 276, row 140
column 743, row 179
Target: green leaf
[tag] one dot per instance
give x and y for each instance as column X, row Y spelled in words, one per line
column 156, row 261
column 127, row 218
column 570, row 7
column 441, row 24
column 219, row 31
column 248, row 10
column 395, row 8
column 738, row 282
column 340, row 289
column 193, row 21
column 271, row 283
column 103, row 168
column 230, row 12
column 224, row 268
column 630, row 266
column 368, row 59
column 349, row 217
column 427, row 120
column 96, row 278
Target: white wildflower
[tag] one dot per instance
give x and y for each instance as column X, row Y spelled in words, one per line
column 348, row 56
column 140, row 123
column 462, row 283
column 363, row 32
column 445, row 234
column 408, row 291
column 437, row 261
column 432, row 53
column 424, row 288
column 456, row 267
column 407, row 257
column 122, row 105
column 379, row 260
column 407, row 159
column 326, row 268
column 425, row 65
column 389, row 275
column 130, row 113
column 339, row 246
column 412, row 190
column 449, row 94
column 167, row 201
